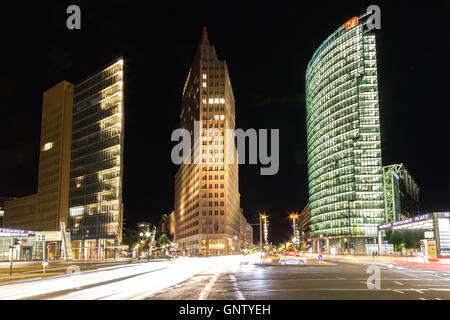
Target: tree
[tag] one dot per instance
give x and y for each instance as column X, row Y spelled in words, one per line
column 396, row 237
column 163, row 239
column 406, row 238
column 131, row 238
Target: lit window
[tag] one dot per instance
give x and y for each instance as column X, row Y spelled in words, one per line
column 204, row 76
column 222, row 100
column 222, row 117
column 204, row 84
column 47, row 146
column 76, row 211
column 211, row 100
column 216, row 100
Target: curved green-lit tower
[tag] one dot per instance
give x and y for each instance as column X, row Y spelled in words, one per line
column 345, row 180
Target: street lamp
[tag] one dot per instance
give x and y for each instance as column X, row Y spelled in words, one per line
column 294, row 216
column 266, row 230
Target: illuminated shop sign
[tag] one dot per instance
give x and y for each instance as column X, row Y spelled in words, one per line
column 422, row 217
column 385, row 226
column 406, row 221
column 351, row 23
column 15, row 231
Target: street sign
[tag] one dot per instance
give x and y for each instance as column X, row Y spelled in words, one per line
column 429, row 235
column 49, row 236
column 45, row 262
column 320, row 257
column 432, row 252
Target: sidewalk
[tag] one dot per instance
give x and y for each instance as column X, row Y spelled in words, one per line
column 442, row 265
column 5, row 277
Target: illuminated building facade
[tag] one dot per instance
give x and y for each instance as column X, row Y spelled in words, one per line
column 401, row 193
column 46, row 209
column 207, row 204
column 303, row 225
column 2, row 209
column 80, row 166
column 345, row 176
column 95, row 206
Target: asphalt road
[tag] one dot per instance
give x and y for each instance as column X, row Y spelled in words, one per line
column 337, row 280
column 35, row 270
column 236, row 278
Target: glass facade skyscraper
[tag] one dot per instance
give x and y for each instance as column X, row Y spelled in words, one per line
column 95, row 206
column 345, row 179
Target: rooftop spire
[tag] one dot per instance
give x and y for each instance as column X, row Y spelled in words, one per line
column 204, row 36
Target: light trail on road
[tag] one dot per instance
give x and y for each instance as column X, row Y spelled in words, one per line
column 133, row 281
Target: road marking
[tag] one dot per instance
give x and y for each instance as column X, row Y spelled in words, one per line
column 419, row 291
column 438, row 298
column 239, row 294
column 207, row 289
column 422, row 299
column 398, row 291
column 398, row 283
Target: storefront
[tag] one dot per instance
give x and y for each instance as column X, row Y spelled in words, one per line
column 436, row 226
column 27, row 248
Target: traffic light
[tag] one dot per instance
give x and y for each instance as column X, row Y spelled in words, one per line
column 420, row 242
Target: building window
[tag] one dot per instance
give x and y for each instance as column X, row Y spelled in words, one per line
column 47, row 146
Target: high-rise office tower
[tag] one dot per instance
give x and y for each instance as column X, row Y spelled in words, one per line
column 80, row 165
column 207, row 203
column 95, row 206
column 343, row 138
column 54, row 158
column 46, row 209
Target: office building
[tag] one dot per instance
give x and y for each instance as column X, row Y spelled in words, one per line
column 80, row 166
column 303, row 225
column 46, row 209
column 345, row 176
column 167, row 224
column 95, row 205
column 207, row 203
column 2, row 209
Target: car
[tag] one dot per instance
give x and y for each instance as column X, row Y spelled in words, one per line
column 288, row 259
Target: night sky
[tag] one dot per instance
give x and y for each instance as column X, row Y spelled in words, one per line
column 267, row 48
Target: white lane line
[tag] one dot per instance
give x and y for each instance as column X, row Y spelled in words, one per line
column 419, row 291
column 438, row 298
column 398, row 283
column 398, row 291
column 239, row 294
column 422, row 299
column 207, row 289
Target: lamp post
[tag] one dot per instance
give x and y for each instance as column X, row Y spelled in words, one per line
column 266, row 231
column 294, row 216
column 147, row 235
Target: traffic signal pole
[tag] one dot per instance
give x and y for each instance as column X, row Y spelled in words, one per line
column 11, row 260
